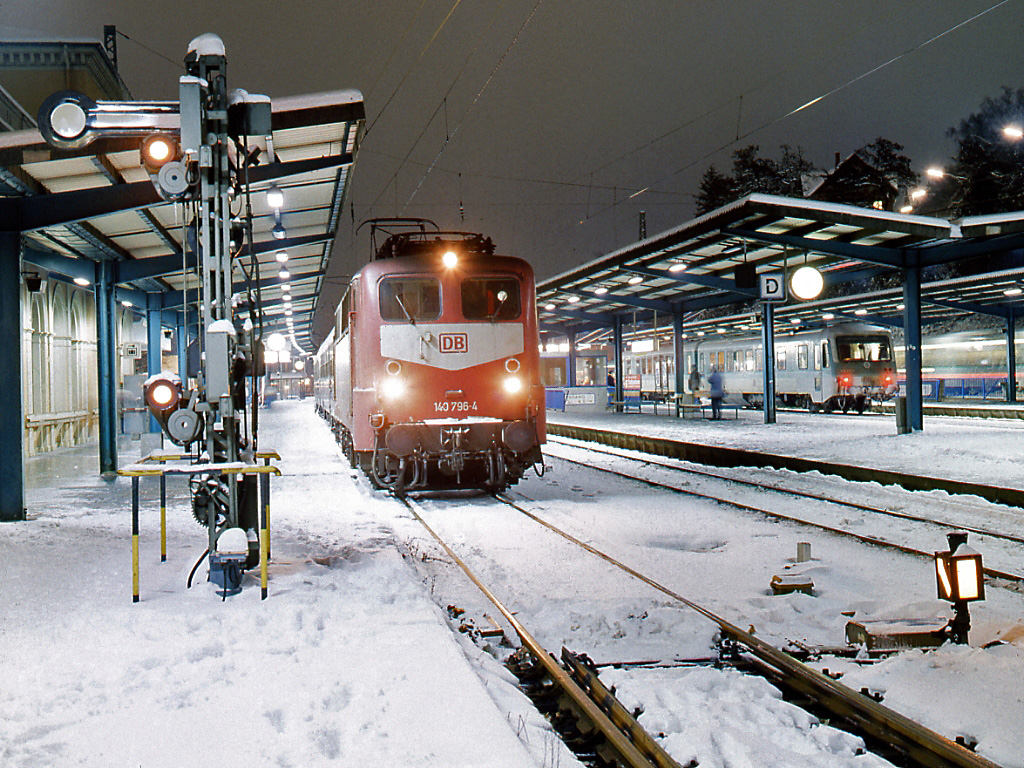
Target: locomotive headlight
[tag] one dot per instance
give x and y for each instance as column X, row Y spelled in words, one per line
column 161, row 395
column 392, row 388
column 450, row 259
column 513, row 384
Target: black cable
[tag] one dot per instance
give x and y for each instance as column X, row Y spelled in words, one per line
column 195, row 568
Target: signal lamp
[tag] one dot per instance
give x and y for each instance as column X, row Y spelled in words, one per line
column 162, row 392
column 513, row 384
column 450, row 259
column 960, row 579
column 157, row 150
column 845, row 380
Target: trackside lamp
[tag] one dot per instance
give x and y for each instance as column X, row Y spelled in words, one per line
column 960, row 580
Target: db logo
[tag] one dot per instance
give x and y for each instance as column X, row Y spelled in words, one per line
column 453, row 342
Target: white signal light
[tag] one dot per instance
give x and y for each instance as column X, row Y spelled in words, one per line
column 513, row 384
column 450, row 259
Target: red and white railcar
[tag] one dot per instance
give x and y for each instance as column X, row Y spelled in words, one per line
column 430, row 377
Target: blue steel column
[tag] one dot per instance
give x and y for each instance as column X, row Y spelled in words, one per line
column 677, row 348
column 912, row 344
column 12, row 456
column 570, row 380
column 1011, row 358
column 106, row 360
column 617, row 337
column 154, row 362
column 768, row 345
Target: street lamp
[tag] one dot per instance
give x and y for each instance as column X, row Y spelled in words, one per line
column 960, row 580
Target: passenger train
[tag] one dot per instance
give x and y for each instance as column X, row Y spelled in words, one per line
column 430, row 376
column 841, row 367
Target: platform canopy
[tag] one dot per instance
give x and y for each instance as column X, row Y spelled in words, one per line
column 77, row 207
column 716, row 260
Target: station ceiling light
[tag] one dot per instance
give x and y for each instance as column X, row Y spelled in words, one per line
column 275, row 197
column 573, row 299
column 635, row 279
column 601, row 290
column 284, row 274
column 806, row 282
column 82, row 282
column 282, row 256
column 677, row 267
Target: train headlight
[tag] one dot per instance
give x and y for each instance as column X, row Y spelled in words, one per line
column 512, row 365
column 392, row 388
column 450, row 259
column 513, row 384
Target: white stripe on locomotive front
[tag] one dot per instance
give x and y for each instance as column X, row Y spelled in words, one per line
column 451, row 346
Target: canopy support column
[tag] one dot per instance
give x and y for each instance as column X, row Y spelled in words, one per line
column 768, row 345
column 12, row 430
column 106, row 362
column 617, row 341
column 912, row 345
column 1011, row 357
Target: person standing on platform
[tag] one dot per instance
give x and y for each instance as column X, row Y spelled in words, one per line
column 694, row 381
column 717, row 392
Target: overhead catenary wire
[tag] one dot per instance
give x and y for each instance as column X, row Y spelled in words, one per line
column 442, row 105
column 474, row 102
column 769, row 123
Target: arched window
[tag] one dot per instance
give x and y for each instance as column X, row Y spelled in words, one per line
column 40, row 373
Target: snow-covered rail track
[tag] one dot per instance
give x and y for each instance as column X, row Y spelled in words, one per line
column 861, row 713
column 1012, row 540
column 600, row 723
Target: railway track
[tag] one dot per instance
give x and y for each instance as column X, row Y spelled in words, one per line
column 993, row 573
column 600, row 724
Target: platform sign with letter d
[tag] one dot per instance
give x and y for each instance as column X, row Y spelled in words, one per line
column 773, row 286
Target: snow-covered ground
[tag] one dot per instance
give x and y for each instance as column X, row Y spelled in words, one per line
column 352, row 659
column 972, row 450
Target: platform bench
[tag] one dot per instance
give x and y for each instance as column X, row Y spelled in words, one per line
column 706, row 410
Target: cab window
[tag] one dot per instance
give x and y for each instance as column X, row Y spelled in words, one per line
column 863, row 348
column 410, row 298
column 490, row 298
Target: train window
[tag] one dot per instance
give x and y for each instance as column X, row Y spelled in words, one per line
column 490, row 298
column 863, row 348
column 750, row 360
column 780, row 359
column 817, row 357
column 801, row 357
column 737, row 357
column 759, row 359
column 410, row 298
column 701, row 366
column 824, row 355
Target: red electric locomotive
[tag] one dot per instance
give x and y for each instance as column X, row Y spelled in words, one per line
column 430, row 377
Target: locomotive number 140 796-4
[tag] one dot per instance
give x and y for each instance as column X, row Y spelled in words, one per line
column 454, row 406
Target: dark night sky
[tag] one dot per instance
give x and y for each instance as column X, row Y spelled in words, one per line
column 595, row 100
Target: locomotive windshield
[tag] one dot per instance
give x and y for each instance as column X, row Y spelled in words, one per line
column 490, row 298
column 410, row 298
column 874, row 349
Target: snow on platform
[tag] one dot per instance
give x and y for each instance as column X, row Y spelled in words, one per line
column 349, row 662
column 970, row 450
